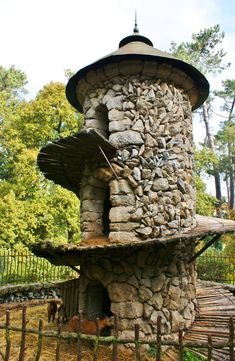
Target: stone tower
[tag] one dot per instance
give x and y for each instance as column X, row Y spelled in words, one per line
column 140, row 100
column 132, row 168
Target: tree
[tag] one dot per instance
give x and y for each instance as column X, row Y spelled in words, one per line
column 203, row 53
column 225, row 138
column 33, row 208
column 205, row 203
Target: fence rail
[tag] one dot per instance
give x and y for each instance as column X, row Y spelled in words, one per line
column 24, row 267
column 216, row 267
column 159, row 343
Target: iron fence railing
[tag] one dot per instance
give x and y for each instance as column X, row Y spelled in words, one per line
column 216, row 267
column 24, row 267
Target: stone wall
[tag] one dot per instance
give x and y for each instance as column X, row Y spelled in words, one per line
column 144, row 283
column 20, row 293
column 149, row 121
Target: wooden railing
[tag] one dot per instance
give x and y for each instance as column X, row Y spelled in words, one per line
column 158, row 342
column 24, row 267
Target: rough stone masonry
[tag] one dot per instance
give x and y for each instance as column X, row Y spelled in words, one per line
column 149, row 122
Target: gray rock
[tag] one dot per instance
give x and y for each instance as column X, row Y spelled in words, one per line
column 120, row 187
column 158, row 283
column 145, row 293
column 136, row 174
column 128, row 137
column 138, row 126
column 161, row 184
column 127, row 309
column 156, row 301
column 115, row 103
column 119, row 125
column 120, row 214
column 177, row 321
column 121, row 292
column 181, row 185
column 145, row 231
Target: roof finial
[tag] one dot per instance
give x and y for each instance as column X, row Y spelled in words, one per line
column 136, row 29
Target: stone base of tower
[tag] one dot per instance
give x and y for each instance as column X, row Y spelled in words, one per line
column 140, row 285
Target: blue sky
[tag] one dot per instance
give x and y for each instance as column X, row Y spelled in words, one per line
column 45, row 37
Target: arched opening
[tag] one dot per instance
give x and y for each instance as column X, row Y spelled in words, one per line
column 105, row 217
column 103, row 120
column 97, row 301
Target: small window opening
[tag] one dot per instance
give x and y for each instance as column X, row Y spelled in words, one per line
column 102, row 117
column 105, row 218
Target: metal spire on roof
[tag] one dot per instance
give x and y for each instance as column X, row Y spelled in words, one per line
column 136, row 29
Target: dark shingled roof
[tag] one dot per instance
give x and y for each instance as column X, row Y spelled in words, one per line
column 137, row 47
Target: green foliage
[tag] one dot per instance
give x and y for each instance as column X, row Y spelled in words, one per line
column 204, row 158
column 225, row 138
column 205, row 203
column 12, row 81
column 34, row 208
column 203, row 52
column 190, row 356
column 229, row 245
column 214, row 265
column 21, row 266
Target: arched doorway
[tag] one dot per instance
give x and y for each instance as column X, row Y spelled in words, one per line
column 97, row 301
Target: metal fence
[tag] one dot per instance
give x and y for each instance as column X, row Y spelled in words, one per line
column 24, row 267
column 216, row 267
column 115, row 341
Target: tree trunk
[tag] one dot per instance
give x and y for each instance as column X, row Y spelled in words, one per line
column 230, row 154
column 211, row 145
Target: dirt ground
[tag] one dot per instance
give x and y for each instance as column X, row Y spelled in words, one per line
column 37, row 309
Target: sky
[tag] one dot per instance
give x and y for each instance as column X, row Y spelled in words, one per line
column 45, row 37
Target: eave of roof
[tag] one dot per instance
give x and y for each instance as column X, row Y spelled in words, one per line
column 63, row 160
column 72, row 253
column 137, row 48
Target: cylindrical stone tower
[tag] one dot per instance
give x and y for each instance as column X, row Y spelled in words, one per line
column 132, row 168
column 140, row 99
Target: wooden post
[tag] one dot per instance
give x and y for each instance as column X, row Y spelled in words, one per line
column 58, row 342
column 8, row 339
column 39, row 348
column 209, row 355
column 114, row 351
column 181, row 346
column 159, row 340
column 23, row 335
column 231, row 339
column 79, row 344
column 96, row 345
column 137, row 345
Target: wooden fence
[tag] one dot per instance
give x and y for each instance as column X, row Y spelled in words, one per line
column 158, row 343
column 24, row 267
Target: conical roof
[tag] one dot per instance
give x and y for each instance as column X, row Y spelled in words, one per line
column 138, row 48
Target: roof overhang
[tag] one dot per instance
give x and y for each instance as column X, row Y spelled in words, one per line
column 72, row 254
column 136, row 49
column 63, row 160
